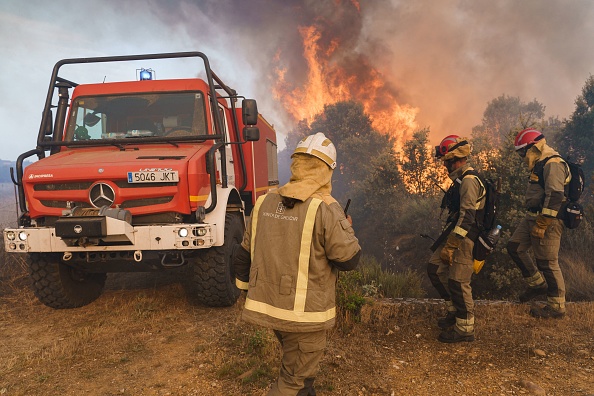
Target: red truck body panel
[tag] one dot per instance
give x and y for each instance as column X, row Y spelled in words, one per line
column 111, row 164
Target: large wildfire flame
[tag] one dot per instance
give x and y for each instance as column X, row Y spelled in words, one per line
column 334, row 77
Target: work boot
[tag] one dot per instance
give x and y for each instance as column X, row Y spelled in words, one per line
column 308, row 389
column 307, row 392
column 546, row 312
column 533, row 292
column 452, row 336
column 447, row 321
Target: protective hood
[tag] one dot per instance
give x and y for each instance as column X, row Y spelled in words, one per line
column 309, row 175
column 462, row 151
column 540, row 150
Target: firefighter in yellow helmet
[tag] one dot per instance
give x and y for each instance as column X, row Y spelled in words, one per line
column 540, row 230
column 297, row 241
column 450, row 266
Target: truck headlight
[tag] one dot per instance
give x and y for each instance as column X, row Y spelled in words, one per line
column 23, row 236
column 201, row 231
column 182, row 232
column 10, row 235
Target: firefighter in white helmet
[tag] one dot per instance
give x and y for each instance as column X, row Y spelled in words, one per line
column 540, row 230
column 450, row 267
column 297, row 241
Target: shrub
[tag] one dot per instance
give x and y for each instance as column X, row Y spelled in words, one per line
column 390, row 284
column 359, row 287
column 13, row 271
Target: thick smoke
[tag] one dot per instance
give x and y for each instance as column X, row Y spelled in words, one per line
column 446, row 58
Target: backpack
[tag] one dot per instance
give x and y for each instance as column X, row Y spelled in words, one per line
column 491, row 204
column 485, row 218
column 484, row 242
column 487, row 239
column 576, row 185
column 571, row 212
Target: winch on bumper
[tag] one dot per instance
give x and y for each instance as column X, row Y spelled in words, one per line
column 103, row 233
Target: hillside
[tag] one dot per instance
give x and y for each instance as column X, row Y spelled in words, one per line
column 143, row 337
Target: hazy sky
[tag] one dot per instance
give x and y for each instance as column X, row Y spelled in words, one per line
column 446, row 58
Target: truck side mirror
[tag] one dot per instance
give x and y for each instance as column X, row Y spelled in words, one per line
column 251, row 134
column 249, row 112
column 48, row 129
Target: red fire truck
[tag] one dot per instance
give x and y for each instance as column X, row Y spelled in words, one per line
column 140, row 175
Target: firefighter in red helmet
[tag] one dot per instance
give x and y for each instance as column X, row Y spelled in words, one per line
column 450, row 267
column 297, row 241
column 540, row 230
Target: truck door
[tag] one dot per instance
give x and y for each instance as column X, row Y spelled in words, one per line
column 228, row 149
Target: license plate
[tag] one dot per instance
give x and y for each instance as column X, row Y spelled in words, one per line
column 153, row 177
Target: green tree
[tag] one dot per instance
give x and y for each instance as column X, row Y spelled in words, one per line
column 576, row 139
column 357, row 144
column 421, row 173
column 349, row 128
column 502, row 115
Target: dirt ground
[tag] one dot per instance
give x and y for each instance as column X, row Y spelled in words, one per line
column 143, row 337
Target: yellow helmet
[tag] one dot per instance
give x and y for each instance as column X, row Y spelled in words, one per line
column 319, row 146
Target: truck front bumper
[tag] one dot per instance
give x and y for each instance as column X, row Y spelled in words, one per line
column 111, row 235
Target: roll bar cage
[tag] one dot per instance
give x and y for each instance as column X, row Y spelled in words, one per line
column 63, row 85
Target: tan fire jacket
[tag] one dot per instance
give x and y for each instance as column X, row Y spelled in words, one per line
column 556, row 175
column 295, row 255
column 472, row 199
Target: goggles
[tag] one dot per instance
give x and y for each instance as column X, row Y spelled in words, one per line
column 522, row 151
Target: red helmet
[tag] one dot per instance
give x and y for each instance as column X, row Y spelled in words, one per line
column 526, row 138
column 449, row 145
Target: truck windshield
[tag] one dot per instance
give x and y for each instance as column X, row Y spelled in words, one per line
column 138, row 115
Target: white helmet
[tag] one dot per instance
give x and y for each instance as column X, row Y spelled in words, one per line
column 319, row 146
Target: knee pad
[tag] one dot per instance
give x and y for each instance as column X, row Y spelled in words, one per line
column 434, row 279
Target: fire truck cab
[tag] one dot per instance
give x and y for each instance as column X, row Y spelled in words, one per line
column 140, row 175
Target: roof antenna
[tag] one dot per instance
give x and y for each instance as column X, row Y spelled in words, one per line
column 104, row 77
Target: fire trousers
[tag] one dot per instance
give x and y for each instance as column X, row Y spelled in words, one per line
column 453, row 284
column 546, row 254
column 302, row 353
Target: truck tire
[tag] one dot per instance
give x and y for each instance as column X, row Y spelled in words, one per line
column 59, row 286
column 213, row 274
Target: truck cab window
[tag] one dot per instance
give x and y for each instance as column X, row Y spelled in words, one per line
column 139, row 115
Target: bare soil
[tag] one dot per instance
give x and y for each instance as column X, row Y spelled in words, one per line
column 144, row 337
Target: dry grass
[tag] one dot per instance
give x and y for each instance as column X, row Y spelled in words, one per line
column 143, row 337
column 13, row 271
column 578, row 272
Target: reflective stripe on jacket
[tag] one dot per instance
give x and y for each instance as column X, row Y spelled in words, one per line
column 292, row 277
column 472, row 199
column 548, row 200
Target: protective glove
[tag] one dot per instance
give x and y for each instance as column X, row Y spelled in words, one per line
column 452, row 244
column 241, row 262
column 542, row 223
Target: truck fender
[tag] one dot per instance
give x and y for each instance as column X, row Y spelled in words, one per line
column 229, row 200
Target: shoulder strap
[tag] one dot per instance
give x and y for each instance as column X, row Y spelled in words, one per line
column 538, row 169
column 473, row 173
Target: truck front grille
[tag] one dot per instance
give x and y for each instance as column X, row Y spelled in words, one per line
column 87, row 185
column 62, row 186
column 135, row 203
column 62, row 204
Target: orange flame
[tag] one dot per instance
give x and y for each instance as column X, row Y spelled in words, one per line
column 329, row 82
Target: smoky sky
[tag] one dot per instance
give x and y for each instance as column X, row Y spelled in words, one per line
column 446, row 58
